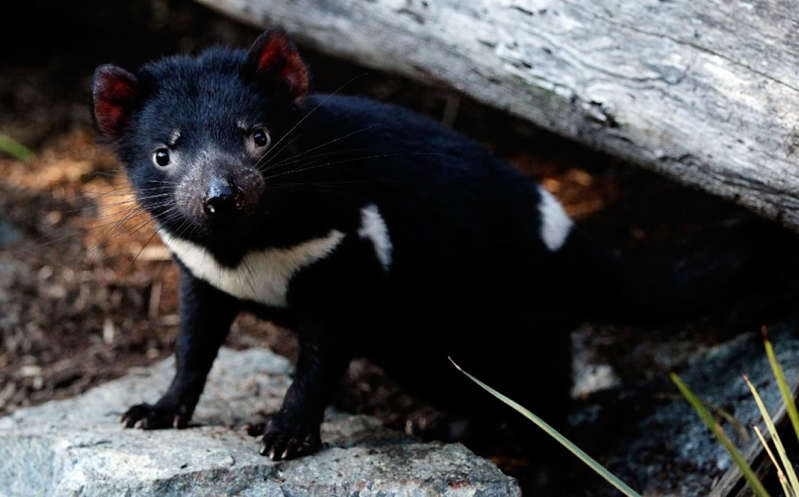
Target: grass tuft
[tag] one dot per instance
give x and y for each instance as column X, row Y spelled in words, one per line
column 790, row 404
column 774, row 436
column 780, row 475
column 713, row 426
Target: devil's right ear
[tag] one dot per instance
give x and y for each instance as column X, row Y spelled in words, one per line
column 274, row 59
column 114, row 93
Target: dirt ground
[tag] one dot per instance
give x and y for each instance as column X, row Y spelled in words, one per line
column 87, row 291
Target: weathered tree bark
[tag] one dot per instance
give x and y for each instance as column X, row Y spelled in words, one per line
column 704, row 92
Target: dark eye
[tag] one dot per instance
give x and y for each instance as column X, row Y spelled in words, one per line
column 161, row 157
column 260, row 137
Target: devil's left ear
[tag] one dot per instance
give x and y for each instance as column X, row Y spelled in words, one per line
column 274, row 59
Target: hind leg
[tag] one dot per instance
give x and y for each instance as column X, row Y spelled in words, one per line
column 529, row 362
column 525, row 357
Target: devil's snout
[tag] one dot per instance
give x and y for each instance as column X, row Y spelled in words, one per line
column 222, row 199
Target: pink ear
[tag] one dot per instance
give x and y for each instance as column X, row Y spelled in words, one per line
column 274, row 57
column 114, row 92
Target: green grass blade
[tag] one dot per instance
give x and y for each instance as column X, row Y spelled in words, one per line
column 790, row 404
column 786, row 463
column 588, row 460
column 738, row 459
column 14, row 148
column 780, row 475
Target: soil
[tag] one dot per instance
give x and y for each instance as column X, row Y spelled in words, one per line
column 87, row 291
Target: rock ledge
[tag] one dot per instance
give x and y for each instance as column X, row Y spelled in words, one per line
column 76, row 447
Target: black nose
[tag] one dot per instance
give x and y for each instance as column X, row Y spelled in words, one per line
column 221, row 199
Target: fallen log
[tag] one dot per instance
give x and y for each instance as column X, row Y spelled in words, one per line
column 706, row 93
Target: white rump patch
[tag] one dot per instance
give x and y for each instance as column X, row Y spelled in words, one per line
column 262, row 276
column 374, row 228
column 555, row 223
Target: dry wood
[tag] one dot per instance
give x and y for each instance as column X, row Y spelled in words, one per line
column 704, row 92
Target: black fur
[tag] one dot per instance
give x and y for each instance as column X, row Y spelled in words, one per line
column 469, row 278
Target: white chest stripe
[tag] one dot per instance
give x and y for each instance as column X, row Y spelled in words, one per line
column 374, row 228
column 555, row 223
column 262, row 276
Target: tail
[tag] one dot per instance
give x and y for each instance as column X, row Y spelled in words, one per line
column 650, row 288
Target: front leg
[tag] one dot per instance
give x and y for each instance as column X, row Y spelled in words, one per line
column 295, row 429
column 205, row 318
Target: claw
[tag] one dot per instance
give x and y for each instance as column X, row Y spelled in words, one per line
column 284, row 439
column 152, row 417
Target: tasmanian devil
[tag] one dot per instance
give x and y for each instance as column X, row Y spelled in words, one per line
column 367, row 229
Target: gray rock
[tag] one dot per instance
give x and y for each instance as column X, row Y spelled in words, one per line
column 662, row 447
column 76, row 447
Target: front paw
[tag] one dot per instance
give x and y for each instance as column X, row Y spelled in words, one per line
column 287, row 436
column 156, row 416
